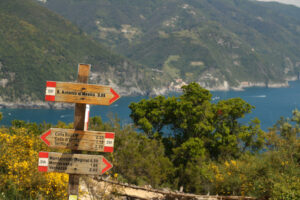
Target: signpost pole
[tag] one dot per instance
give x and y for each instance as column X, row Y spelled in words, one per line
column 79, row 124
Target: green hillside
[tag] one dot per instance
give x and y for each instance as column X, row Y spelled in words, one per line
column 207, row 41
column 37, row 45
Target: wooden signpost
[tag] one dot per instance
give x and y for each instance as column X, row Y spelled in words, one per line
column 79, row 138
column 80, row 93
column 73, row 163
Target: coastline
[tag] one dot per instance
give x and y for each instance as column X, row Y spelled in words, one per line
column 35, row 105
column 172, row 88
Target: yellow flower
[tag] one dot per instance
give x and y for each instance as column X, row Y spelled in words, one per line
column 227, row 164
column 233, row 162
column 19, row 158
column 116, row 175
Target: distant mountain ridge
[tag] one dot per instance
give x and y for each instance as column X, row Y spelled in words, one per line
column 218, row 43
column 38, row 45
column 288, row 2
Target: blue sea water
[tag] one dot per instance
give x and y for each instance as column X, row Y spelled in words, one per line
column 270, row 103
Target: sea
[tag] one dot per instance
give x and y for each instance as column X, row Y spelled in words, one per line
column 270, row 104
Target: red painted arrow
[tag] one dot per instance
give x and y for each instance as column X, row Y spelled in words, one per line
column 44, row 136
column 107, row 167
column 116, row 96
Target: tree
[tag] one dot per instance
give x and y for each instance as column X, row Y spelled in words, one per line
column 271, row 174
column 192, row 115
column 137, row 159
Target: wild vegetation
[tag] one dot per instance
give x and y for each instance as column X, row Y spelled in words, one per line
column 232, row 40
column 184, row 141
column 166, row 41
column 38, row 45
column 20, row 179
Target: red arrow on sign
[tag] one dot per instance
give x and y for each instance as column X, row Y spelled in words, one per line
column 108, row 165
column 116, row 96
column 44, row 137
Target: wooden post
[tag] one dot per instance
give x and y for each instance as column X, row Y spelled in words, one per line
column 79, row 119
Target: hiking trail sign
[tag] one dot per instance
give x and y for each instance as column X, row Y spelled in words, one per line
column 79, row 140
column 80, row 93
column 73, row 163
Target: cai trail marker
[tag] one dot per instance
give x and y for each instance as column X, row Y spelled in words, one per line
column 79, row 138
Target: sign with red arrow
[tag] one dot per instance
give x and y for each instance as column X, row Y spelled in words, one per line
column 80, row 93
column 73, row 163
column 79, row 140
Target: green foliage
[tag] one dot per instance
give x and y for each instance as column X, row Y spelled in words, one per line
column 95, row 123
column 149, row 115
column 188, row 142
column 38, row 45
column 136, row 158
column 233, row 40
column 141, row 160
column 32, row 128
column 170, row 161
column 272, row 174
column 200, row 137
column 19, row 177
column 190, row 151
column 192, row 115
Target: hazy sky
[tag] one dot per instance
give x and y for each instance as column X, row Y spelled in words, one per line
column 293, row 2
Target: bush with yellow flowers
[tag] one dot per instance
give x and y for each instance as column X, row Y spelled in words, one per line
column 19, row 176
column 272, row 174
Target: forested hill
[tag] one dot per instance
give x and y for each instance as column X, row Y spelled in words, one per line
column 208, row 41
column 38, row 45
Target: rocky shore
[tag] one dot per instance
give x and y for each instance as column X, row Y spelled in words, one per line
column 35, row 105
column 173, row 87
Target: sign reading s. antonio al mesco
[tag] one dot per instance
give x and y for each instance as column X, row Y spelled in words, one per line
column 80, row 93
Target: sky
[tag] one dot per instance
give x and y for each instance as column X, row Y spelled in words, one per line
column 293, row 2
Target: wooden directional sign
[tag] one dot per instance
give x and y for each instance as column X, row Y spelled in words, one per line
column 79, row 140
column 73, row 163
column 80, row 93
